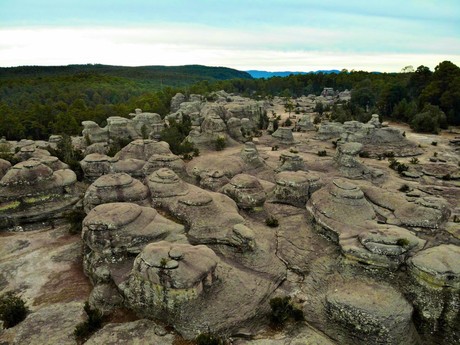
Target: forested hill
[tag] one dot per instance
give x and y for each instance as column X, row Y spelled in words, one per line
column 167, row 75
column 36, row 101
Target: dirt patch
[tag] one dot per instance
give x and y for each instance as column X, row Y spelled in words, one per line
column 65, row 286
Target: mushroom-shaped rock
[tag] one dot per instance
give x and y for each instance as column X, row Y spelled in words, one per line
column 438, row 266
column 119, row 187
column 113, row 230
column 53, row 162
column 382, row 246
column 158, row 161
column 30, row 192
column 120, row 127
column 291, row 162
column 130, row 166
column 329, row 130
column 95, row 165
column 4, row 166
column 426, row 212
column 370, row 314
column 101, row 148
column 250, row 155
column 295, row 188
column 435, row 287
column 284, row 135
column 29, row 172
column 167, row 275
column 30, row 151
column 340, row 209
column 165, row 183
column 246, row 190
column 213, row 180
column 93, row 133
column 230, row 166
column 143, row 149
column 305, row 123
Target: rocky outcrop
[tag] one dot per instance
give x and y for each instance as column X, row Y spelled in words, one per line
column 4, row 166
column 158, row 161
column 114, row 232
column 250, row 155
column 135, row 332
column 295, row 188
column 95, row 165
column 348, row 165
column 284, row 135
column 31, row 192
column 305, row 124
column 291, row 162
column 246, row 190
column 370, row 314
column 118, row 187
column 329, row 130
column 176, row 101
column 211, row 217
column 167, row 276
column 435, row 289
column 213, row 180
column 345, row 216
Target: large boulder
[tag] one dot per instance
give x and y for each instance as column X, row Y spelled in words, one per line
column 31, row 191
column 370, row 314
column 284, row 135
column 295, row 188
column 95, row 165
column 246, row 190
column 118, row 187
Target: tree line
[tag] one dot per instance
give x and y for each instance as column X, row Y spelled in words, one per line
column 38, row 101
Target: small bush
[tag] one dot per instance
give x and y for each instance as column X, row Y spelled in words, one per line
column 435, row 154
column 272, row 222
column 293, row 151
column 434, row 143
column 187, row 157
column 317, row 120
column 414, row 160
column 404, row 188
column 389, row 154
column 287, row 123
column 209, row 339
column 403, row 242
column 13, row 309
column 334, row 143
column 283, row 310
column 196, row 152
column 75, row 218
column 275, row 148
column 220, row 143
column 93, row 323
column 447, row 177
column 322, row 153
column 364, row 154
column 397, row 166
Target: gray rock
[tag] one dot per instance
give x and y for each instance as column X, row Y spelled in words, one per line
column 370, row 314
column 119, row 187
column 293, row 188
column 291, row 162
column 176, row 101
column 95, row 165
column 284, row 135
column 135, row 332
column 250, row 155
column 158, row 161
column 246, row 190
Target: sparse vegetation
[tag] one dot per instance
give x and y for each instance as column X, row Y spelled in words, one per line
column 322, row 153
column 75, row 218
column 282, row 310
column 93, row 323
column 220, row 143
column 404, row 188
column 434, row 143
column 66, row 152
column 272, row 222
column 414, row 160
column 397, row 166
column 364, row 154
column 13, row 309
column 403, row 242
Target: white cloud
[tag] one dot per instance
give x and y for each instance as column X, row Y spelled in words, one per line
column 290, row 48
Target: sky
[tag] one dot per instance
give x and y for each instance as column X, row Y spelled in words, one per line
column 272, row 35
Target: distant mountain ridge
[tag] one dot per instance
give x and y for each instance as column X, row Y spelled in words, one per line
column 266, row 74
column 191, row 73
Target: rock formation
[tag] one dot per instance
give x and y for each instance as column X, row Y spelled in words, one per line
column 246, row 190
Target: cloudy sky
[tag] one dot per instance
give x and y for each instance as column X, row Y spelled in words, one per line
column 274, row 35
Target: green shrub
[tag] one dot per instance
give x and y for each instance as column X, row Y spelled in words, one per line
column 208, row 339
column 316, row 120
column 283, row 310
column 404, row 188
column 272, row 222
column 389, row 154
column 93, row 323
column 414, row 160
column 403, row 242
column 275, row 148
column 322, row 153
column 397, row 166
column 75, row 218
column 196, row 152
column 447, row 177
column 288, row 123
column 434, row 143
column 430, row 120
column 13, row 309
column 220, row 143
column 364, row 154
